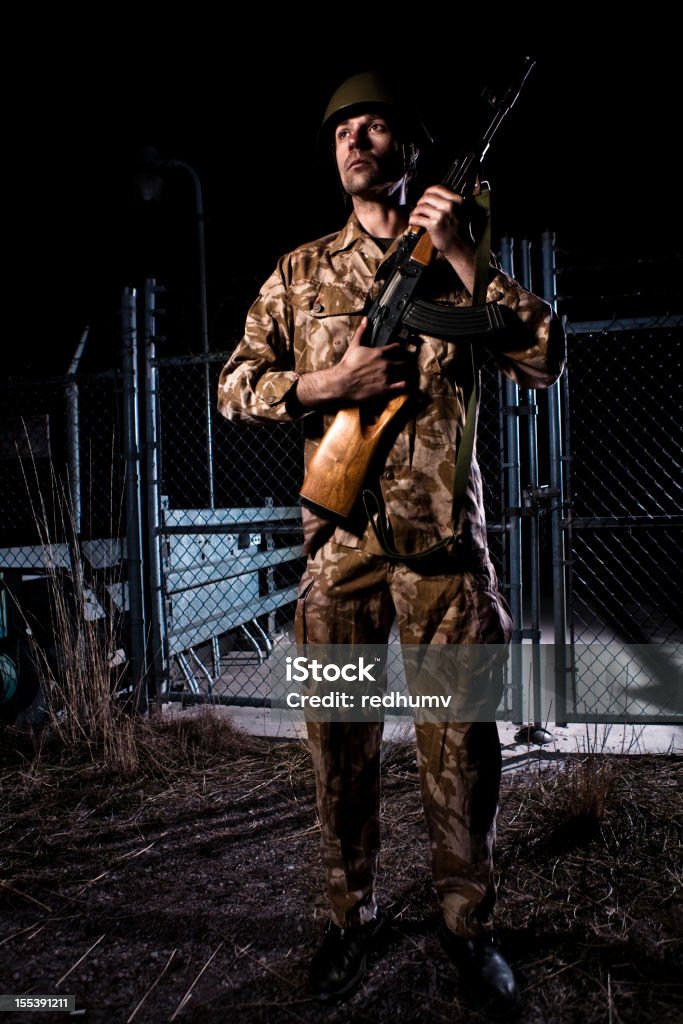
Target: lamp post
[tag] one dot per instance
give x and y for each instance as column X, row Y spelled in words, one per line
column 150, row 185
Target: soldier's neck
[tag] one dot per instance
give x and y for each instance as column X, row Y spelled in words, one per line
column 381, row 219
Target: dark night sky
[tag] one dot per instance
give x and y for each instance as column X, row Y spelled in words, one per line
column 588, row 153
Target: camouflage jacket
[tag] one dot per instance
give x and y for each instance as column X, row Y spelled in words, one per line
column 303, row 319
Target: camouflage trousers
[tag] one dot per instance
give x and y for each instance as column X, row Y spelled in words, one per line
column 348, row 596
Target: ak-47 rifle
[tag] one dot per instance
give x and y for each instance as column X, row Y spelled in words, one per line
column 339, row 466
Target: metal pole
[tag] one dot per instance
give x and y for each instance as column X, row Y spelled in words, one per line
column 514, row 523
column 158, row 659
column 534, row 553
column 556, row 516
column 73, row 440
column 131, row 441
column 203, row 311
column 569, row 536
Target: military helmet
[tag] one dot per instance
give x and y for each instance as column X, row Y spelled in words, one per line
column 372, row 90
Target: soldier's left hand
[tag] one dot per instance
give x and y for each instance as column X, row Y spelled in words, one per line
column 440, row 212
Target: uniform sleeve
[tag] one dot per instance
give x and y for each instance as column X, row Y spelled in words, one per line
column 531, row 349
column 257, row 383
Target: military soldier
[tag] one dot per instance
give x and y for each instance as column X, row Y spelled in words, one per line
column 302, row 357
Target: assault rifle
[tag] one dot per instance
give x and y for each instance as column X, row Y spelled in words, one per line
column 340, row 464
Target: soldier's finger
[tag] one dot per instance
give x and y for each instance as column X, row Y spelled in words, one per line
column 359, row 332
column 441, row 192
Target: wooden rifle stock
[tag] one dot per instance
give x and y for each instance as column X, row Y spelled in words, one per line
column 340, row 464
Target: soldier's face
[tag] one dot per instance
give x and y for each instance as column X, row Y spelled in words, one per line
column 369, row 157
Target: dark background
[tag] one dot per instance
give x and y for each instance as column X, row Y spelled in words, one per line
column 588, row 153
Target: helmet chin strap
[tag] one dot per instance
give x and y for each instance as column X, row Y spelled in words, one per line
column 410, row 155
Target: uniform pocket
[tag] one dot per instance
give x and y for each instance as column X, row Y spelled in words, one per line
column 321, row 300
column 326, row 315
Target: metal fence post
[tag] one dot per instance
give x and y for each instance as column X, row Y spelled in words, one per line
column 534, row 533
column 513, row 518
column 557, row 506
column 158, row 660
column 73, row 440
column 131, row 445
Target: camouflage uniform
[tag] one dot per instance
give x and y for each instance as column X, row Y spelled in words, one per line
column 302, row 321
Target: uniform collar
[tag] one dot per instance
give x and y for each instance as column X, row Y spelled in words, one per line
column 352, row 236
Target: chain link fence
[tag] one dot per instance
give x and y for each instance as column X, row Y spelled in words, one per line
column 625, row 486
column 62, row 520
column 60, row 448
column 230, row 572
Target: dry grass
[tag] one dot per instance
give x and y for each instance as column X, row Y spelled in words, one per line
column 592, row 880
column 85, row 712
column 78, row 666
column 191, row 885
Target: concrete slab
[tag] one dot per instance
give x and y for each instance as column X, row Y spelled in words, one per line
column 570, row 739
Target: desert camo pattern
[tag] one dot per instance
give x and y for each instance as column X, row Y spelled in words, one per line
column 302, row 321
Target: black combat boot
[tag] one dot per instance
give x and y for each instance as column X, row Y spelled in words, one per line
column 486, row 977
column 340, row 964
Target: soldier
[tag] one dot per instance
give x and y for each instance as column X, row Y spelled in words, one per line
column 302, row 357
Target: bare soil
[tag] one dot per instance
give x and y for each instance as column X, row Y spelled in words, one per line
column 190, row 889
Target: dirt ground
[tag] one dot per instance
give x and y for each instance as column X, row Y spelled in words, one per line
column 190, row 890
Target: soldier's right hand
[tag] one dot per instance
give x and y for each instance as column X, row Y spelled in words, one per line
column 365, row 373
column 360, row 375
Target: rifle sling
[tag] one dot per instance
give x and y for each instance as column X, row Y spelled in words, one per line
column 463, row 462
